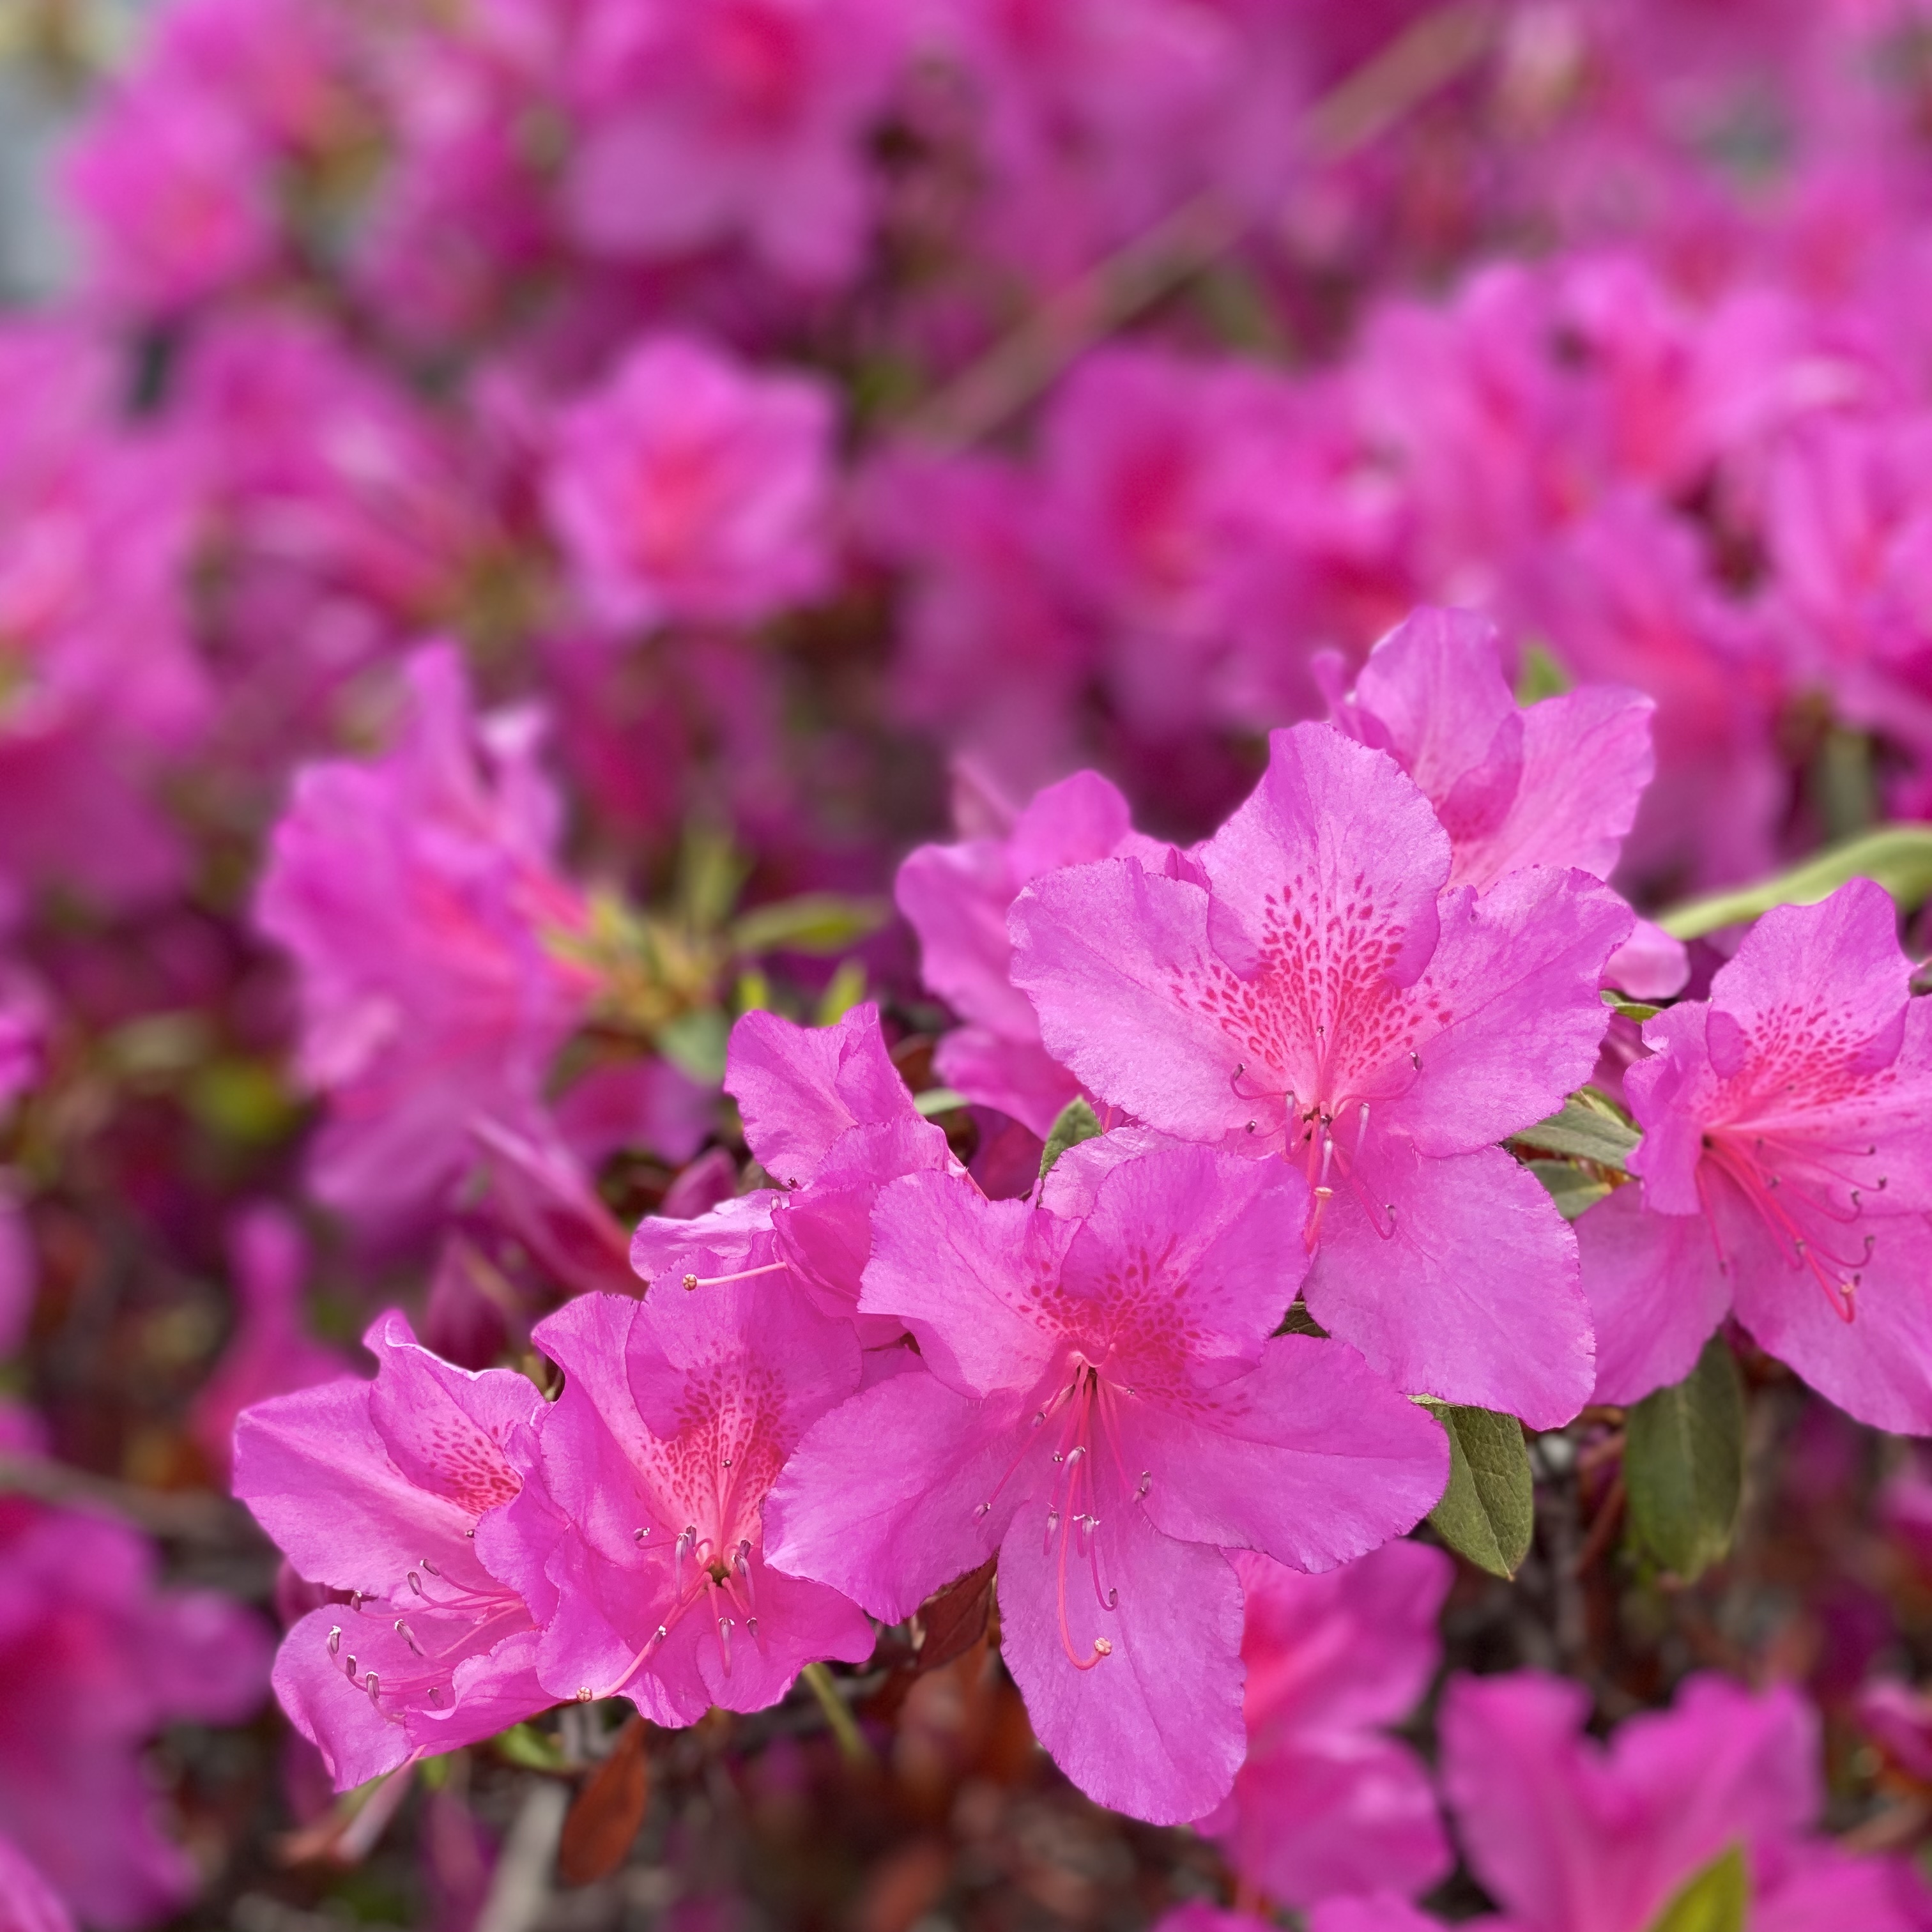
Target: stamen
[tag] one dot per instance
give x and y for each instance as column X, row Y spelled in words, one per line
column 372, row 1685
column 408, row 1636
column 691, row 1281
column 335, row 1639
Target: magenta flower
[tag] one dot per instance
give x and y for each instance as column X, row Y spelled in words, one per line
column 956, row 897
column 719, row 120
column 1309, row 988
column 640, row 1537
column 1553, row 784
column 688, row 488
column 1570, row 1835
column 272, row 1351
column 1785, row 1171
column 418, row 897
column 378, row 1492
column 94, row 1661
column 1102, row 1400
column 830, row 1118
column 1325, row 1802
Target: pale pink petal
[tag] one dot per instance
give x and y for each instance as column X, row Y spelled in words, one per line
column 1877, row 1367
column 1310, row 1458
column 1649, row 964
column 1514, row 1019
column 881, row 1499
column 1154, row 1729
column 1656, row 1291
column 1474, row 1296
column 1116, row 940
column 947, row 1262
column 1184, row 1221
column 1017, row 1076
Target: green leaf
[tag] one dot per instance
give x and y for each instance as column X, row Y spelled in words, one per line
column 1541, row 676
column 1898, row 856
column 1586, row 1129
column 1684, row 1465
column 1075, row 1122
column 524, row 1744
column 694, row 1043
column 1715, row 1901
column 1488, row 1509
column 812, row 922
column 1574, row 1190
column 939, row 1100
column 843, row 991
column 1638, row 1010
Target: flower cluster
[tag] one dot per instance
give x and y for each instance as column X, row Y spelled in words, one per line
column 1070, row 857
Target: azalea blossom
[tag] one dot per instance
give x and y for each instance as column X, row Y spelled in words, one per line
column 1308, row 984
column 378, row 1493
column 688, row 487
column 1785, row 1171
column 95, row 1659
column 1570, row 1835
column 1325, row 1802
column 1101, row 1398
column 418, row 897
column 639, row 1540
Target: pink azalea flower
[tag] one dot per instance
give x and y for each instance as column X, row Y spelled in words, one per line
column 95, row 1660
column 1552, row 784
column 955, row 898
column 1898, row 1719
column 830, row 1118
column 1570, row 1835
column 1102, row 1400
column 417, row 895
column 1324, row 1802
column 1785, row 1171
column 991, row 657
column 1307, row 987
column 709, row 121
column 688, row 488
column 644, row 1548
column 378, row 1492
column 271, row 1352
column 103, row 691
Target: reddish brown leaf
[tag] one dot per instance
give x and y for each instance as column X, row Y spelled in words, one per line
column 955, row 1619
column 609, row 1809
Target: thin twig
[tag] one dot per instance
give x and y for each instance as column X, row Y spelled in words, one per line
column 1387, row 86
column 852, row 1744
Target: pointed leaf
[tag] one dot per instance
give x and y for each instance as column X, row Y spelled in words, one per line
column 939, row 1100
column 1583, row 1130
column 955, row 1619
column 1573, row 1189
column 695, row 1043
column 1715, row 1901
column 602, row 1823
column 1488, row 1510
column 812, row 922
column 1683, row 1462
column 1898, row 856
column 1075, row 1122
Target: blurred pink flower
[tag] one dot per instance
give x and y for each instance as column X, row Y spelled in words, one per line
column 95, row 1660
column 417, row 896
column 688, row 488
column 1325, row 1802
